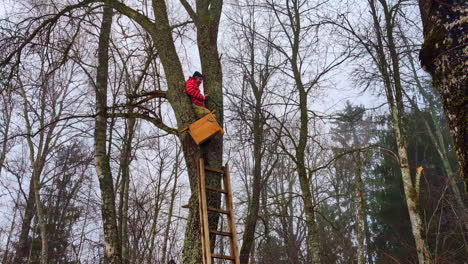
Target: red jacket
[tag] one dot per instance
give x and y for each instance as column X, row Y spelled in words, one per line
column 193, row 90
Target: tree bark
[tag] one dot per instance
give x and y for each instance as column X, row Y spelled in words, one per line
column 360, row 209
column 206, row 17
column 125, row 160
column 113, row 247
column 254, row 205
column 22, row 248
column 313, row 241
column 444, row 55
column 37, row 157
column 251, row 72
column 6, row 112
column 6, row 257
column 41, row 216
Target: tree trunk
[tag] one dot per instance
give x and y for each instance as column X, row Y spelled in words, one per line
column 41, row 216
column 443, row 54
column 207, row 19
column 313, row 241
column 125, row 160
column 113, row 246
column 22, row 248
column 394, row 97
column 360, row 209
column 254, row 205
column 7, row 109
column 412, row 197
column 368, row 243
column 171, row 209
column 6, row 258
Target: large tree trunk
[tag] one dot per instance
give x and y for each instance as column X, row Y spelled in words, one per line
column 113, row 248
column 444, row 56
column 206, row 16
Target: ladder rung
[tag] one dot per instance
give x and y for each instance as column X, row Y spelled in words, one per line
column 214, row 170
column 221, row 233
column 221, row 211
column 222, row 257
column 216, row 189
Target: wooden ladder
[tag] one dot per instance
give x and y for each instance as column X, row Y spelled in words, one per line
column 207, row 254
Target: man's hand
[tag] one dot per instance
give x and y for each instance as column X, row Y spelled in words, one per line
column 206, row 95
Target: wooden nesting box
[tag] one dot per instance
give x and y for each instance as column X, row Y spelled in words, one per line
column 204, row 128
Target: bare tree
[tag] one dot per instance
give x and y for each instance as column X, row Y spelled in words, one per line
column 255, row 64
column 293, row 20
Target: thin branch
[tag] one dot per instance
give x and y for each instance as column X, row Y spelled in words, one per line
column 44, row 24
column 190, row 11
column 155, row 121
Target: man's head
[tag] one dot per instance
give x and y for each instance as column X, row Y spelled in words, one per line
column 198, row 77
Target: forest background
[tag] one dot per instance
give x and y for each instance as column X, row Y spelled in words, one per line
column 320, row 101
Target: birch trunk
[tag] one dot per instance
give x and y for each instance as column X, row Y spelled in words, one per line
column 360, row 209
column 412, row 198
column 41, row 216
column 393, row 90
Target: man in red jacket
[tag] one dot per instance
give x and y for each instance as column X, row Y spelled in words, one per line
column 192, row 88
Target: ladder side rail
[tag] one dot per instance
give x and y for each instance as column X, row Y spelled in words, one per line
column 230, row 208
column 204, row 212
column 200, row 214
